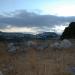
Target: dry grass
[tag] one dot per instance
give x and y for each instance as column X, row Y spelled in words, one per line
column 33, row 62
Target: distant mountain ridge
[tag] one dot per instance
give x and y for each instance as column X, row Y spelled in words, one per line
column 21, row 36
column 47, row 35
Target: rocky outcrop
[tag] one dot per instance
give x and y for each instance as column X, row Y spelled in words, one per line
column 62, row 44
column 69, row 32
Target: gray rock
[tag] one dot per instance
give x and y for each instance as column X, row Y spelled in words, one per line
column 62, row 44
column 65, row 44
column 31, row 43
column 1, row 73
column 42, row 47
column 11, row 48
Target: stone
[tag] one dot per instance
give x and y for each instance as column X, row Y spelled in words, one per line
column 62, row 44
column 11, row 48
column 1, row 73
column 65, row 44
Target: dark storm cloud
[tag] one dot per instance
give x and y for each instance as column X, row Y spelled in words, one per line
column 30, row 19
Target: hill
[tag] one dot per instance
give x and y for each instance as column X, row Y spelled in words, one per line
column 69, row 32
column 47, row 35
column 4, row 36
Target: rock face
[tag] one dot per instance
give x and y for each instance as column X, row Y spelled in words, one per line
column 69, row 32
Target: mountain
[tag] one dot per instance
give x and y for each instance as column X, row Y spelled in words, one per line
column 47, row 35
column 69, row 32
column 13, row 37
column 10, row 36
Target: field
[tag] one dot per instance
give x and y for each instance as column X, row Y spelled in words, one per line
column 49, row 61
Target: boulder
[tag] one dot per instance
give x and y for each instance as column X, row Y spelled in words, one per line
column 11, row 48
column 65, row 44
column 41, row 47
column 62, row 44
column 55, row 45
column 1, row 73
column 31, row 43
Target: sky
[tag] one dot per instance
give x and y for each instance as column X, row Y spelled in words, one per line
column 34, row 16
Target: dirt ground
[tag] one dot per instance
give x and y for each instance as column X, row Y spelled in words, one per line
column 35, row 62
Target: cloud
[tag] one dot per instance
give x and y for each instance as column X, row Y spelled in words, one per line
column 23, row 18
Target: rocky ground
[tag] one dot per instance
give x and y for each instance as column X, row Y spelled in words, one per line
column 32, row 61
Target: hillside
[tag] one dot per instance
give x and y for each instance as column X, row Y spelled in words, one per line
column 31, row 61
column 69, row 32
column 18, row 37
